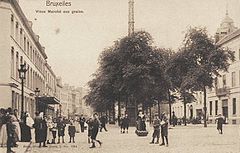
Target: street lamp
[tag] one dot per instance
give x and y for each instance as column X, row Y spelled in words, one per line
column 37, row 91
column 22, row 75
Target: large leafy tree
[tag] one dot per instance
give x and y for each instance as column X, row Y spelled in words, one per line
column 199, row 62
column 132, row 67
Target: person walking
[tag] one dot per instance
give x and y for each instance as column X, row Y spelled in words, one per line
column 125, row 123
column 95, row 126
column 82, row 121
column 71, row 132
column 40, row 126
column 103, row 120
column 156, row 132
column 164, row 129
column 220, row 122
column 61, row 129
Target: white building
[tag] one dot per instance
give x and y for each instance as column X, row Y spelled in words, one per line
column 225, row 97
column 18, row 45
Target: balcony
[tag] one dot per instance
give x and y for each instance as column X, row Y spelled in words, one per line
column 222, row 91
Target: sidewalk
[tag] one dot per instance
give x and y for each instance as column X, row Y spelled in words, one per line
column 23, row 147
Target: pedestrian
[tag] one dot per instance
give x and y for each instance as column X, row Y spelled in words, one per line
column 164, row 129
column 156, row 127
column 125, row 123
column 76, row 124
column 49, row 129
column 40, row 126
column 27, row 125
column 54, row 131
column 89, row 123
column 121, row 122
column 71, row 132
column 174, row 119
column 103, row 120
column 17, row 124
column 11, row 131
column 3, row 127
column 95, row 126
column 141, row 125
column 61, row 129
column 220, row 122
column 82, row 121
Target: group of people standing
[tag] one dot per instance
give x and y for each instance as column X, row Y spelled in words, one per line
column 160, row 125
column 124, row 123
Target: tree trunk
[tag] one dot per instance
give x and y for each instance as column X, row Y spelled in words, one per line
column 150, row 115
column 185, row 111
column 119, row 108
column 114, row 113
column 159, row 109
column 170, row 107
column 205, row 106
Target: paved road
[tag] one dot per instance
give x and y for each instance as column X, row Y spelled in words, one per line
column 190, row 139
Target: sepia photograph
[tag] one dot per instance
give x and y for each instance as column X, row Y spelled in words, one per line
column 119, row 76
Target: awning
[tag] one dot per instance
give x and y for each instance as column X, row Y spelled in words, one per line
column 48, row 100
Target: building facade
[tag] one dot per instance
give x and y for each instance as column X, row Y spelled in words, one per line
column 18, row 45
column 224, row 98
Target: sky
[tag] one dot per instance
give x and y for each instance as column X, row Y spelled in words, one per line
column 74, row 42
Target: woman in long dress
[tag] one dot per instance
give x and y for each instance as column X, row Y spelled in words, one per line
column 16, row 123
column 40, row 126
column 3, row 128
column 26, row 128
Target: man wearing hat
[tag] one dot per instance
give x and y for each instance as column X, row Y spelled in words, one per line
column 156, row 126
column 220, row 122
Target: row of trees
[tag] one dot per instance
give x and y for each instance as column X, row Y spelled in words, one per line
column 133, row 71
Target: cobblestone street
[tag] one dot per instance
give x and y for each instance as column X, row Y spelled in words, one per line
column 190, row 139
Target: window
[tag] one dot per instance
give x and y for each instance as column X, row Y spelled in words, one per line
column 210, row 107
column 16, row 32
column 24, row 44
column 12, row 25
column 12, row 17
column 224, row 80
column 234, row 106
column 17, row 65
column 12, row 62
column 233, row 79
column 216, row 107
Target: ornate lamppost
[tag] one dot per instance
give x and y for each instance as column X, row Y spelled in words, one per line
column 22, row 75
column 37, row 91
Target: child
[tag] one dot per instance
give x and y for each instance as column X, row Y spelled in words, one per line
column 71, row 132
column 54, row 132
column 156, row 126
column 89, row 122
column 61, row 129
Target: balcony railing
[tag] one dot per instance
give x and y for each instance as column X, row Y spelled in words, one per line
column 222, row 91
